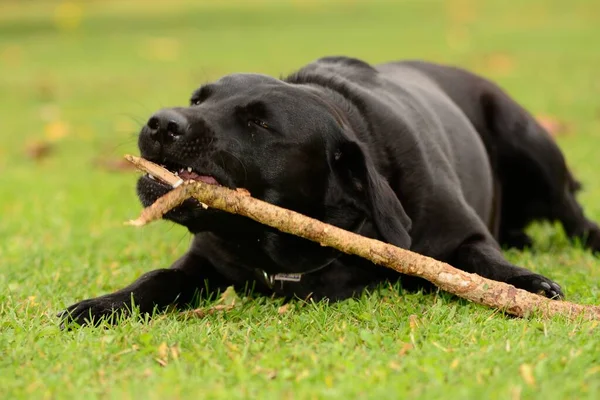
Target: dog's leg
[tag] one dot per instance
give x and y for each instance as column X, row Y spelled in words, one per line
column 154, row 290
column 576, row 225
column 536, row 183
column 516, row 239
column 482, row 256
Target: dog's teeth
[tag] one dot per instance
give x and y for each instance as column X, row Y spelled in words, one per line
column 176, row 173
column 151, row 177
column 189, row 169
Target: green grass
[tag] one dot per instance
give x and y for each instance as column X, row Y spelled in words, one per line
column 88, row 85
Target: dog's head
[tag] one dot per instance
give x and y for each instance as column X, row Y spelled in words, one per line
column 286, row 145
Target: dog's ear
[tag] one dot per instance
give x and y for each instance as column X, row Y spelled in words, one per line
column 355, row 168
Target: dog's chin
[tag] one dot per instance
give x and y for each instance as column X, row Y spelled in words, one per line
column 149, row 190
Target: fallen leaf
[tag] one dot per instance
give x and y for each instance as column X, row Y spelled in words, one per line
column 56, row 130
column 527, row 374
column 413, row 321
column 552, row 125
column 203, row 312
column 133, row 348
column 395, row 366
column 499, row 63
column 163, row 350
column 283, row 309
column 175, row 352
column 68, row 15
column 406, row 347
column 592, row 371
column 272, row 374
column 302, row 375
column 38, row 150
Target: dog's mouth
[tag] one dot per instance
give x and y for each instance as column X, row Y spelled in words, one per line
column 187, row 174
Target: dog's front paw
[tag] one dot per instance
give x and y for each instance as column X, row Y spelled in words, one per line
column 93, row 311
column 537, row 284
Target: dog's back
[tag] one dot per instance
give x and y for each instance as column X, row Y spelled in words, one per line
column 530, row 169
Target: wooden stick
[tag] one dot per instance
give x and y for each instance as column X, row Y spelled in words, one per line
column 155, row 170
column 465, row 285
column 158, row 172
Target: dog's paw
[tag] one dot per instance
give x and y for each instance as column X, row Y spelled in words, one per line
column 93, row 312
column 537, row 284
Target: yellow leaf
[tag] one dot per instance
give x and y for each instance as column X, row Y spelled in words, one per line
column 163, row 351
column 592, row 371
column 56, row 130
column 284, row 308
column 68, row 15
column 395, row 366
column 175, row 352
column 405, row 349
column 413, row 322
column 499, row 63
column 527, row 374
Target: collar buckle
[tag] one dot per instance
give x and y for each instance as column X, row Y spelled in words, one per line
column 269, row 280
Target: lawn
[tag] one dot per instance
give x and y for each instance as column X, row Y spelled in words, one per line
column 78, row 80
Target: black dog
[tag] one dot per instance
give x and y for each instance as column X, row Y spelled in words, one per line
column 426, row 157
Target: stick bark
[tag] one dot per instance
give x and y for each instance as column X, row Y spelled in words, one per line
column 468, row 286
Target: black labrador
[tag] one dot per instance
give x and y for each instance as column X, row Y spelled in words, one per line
column 426, row 157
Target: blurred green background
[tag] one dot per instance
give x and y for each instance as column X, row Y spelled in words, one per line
column 79, row 78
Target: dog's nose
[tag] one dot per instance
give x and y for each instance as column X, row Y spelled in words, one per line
column 166, row 125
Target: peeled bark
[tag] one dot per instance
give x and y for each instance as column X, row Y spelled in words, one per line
column 465, row 285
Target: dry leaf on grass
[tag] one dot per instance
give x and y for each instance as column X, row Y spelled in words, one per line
column 39, row 149
column 499, row 63
column 56, row 130
column 226, row 302
column 283, row 309
column 552, row 125
column 527, row 374
column 203, row 312
column 166, row 353
column 406, row 347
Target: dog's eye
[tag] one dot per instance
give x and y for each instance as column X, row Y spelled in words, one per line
column 196, row 102
column 258, row 122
